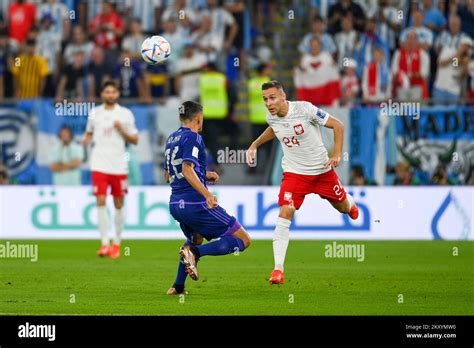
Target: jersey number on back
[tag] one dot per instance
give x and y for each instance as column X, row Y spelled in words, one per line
column 173, row 162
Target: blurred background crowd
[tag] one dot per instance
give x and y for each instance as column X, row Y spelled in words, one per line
column 331, row 53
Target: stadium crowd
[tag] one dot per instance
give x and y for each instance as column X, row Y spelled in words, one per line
column 357, row 52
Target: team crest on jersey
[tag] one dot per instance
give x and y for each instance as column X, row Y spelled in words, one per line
column 298, row 129
column 287, row 196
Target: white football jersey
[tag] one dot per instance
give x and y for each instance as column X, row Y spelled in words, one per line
column 300, row 136
column 108, row 151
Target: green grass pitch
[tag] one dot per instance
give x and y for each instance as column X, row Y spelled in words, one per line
column 431, row 280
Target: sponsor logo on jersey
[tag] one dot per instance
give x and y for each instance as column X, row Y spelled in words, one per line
column 298, row 129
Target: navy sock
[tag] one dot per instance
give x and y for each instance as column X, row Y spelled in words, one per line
column 181, row 276
column 223, row 246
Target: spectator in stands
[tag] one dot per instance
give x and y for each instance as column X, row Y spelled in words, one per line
column 376, row 83
column 221, row 19
column 317, row 78
column 433, row 18
column 60, row 17
column 107, row 29
column 133, row 41
column 466, row 13
column 357, row 177
column 29, row 77
column 404, row 175
column 66, row 158
column 49, row 47
column 452, row 37
column 129, row 76
column 350, row 86
column 177, row 39
column 8, row 51
column 98, row 71
column 441, row 177
column 365, row 47
column 346, row 41
column 149, row 12
column 185, row 16
column 389, row 23
column 469, row 94
column 79, row 43
column 4, row 178
column 71, row 82
column 451, row 65
column 410, row 69
column 214, row 97
column 188, row 71
column 424, row 35
column 21, row 15
column 258, row 114
column 156, row 82
column 342, row 9
column 237, row 8
column 206, row 41
column 318, row 28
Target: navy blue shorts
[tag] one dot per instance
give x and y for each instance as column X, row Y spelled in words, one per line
column 196, row 218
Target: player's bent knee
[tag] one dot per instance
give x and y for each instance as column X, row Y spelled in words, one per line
column 243, row 236
column 286, row 212
column 101, row 201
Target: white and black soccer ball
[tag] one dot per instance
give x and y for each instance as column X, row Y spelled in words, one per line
column 155, row 49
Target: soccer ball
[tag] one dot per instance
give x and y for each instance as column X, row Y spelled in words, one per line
column 155, row 49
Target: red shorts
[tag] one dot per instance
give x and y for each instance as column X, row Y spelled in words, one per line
column 294, row 188
column 117, row 182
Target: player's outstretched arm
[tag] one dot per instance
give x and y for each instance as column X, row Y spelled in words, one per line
column 338, row 128
column 193, row 180
column 267, row 135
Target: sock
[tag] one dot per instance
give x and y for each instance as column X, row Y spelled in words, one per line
column 118, row 218
column 223, row 246
column 350, row 200
column 281, row 238
column 180, row 276
column 103, row 220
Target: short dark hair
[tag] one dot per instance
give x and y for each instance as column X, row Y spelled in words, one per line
column 188, row 110
column 272, row 84
column 67, row 128
column 109, row 83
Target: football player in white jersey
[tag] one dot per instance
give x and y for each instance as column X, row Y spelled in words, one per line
column 306, row 165
column 110, row 126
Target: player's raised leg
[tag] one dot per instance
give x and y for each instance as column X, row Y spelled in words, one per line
column 236, row 239
column 348, row 206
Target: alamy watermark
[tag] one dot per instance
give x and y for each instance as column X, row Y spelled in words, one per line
column 67, row 108
column 233, row 156
column 335, row 250
column 391, row 108
column 19, row 251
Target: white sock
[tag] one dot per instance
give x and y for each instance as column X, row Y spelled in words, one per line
column 118, row 218
column 281, row 238
column 103, row 220
column 350, row 199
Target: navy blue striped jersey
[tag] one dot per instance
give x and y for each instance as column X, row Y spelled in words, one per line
column 184, row 145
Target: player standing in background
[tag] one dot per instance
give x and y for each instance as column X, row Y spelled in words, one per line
column 110, row 126
column 191, row 203
column 306, row 165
